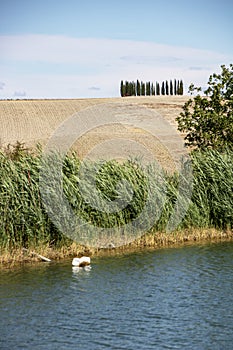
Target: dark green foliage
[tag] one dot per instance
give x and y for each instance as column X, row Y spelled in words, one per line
column 171, row 88
column 143, row 89
column 181, row 90
column 133, row 89
column 138, row 88
column 149, row 89
column 180, row 87
column 163, row 89
column 122, row 89
column 148, row 92
column 126, row 88
column 175, row 87
column 152, row 89
column 208, row 120
column 167, row 88
column 130, row 89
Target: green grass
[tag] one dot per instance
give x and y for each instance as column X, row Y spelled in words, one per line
column 25, row 220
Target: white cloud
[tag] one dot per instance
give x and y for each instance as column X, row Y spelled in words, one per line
column 62, row 49
column 94, row 67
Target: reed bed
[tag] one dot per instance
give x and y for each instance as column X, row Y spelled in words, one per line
column 25, row 221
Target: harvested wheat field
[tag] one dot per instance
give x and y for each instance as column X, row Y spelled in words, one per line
column 35, row 121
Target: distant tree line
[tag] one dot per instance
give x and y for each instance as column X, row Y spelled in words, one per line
column 140, row 88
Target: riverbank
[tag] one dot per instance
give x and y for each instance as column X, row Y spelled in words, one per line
column 17, row 256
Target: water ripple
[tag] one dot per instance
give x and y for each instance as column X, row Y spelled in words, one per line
column 165, row 299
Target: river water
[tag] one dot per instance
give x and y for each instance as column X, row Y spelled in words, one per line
column 176, row 298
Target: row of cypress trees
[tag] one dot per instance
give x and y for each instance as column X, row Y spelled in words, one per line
column 132, row 88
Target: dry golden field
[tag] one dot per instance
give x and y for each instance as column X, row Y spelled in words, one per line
column 34, row 121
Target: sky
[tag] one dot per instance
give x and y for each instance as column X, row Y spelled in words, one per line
column 82, row 49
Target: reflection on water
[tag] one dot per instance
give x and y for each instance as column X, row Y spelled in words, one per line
column 166, row 299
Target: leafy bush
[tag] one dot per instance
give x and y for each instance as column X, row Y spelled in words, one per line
column 208, row 120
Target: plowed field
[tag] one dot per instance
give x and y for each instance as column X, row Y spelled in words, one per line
column 34, row 121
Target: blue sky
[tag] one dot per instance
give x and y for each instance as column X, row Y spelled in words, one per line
column 72, row 49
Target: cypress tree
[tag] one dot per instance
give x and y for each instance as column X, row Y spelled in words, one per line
column 122, row 88
column 175, row 87
column 152, row 89
column 143, row 89
column 135, row 88
column 178, row 87
column 167, row 89
column 126, row 88
column 138, row 88
column 163, row 89
column 129, row 89
column 181, row 90
column 171, row 88
column 147, row 88
column 131, row 92
column 132, row 88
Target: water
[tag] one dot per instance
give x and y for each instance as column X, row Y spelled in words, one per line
column 165, row 299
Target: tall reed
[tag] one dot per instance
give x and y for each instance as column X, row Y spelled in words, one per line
column 24, row 220
column 212, row 199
